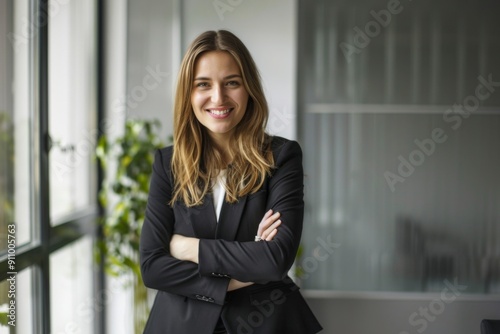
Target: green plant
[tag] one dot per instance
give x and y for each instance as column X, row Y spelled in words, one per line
column 299, row 271
column 127, row 162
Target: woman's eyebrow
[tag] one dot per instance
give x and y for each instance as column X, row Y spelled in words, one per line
column 231, row 76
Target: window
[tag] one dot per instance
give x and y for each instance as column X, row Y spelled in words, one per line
column 48, row 176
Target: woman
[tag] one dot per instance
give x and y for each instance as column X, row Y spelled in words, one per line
column 210, row 242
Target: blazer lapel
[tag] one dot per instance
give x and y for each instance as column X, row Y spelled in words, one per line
column 203, row 219
column 229, row 219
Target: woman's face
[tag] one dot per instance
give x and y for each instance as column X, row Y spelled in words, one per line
column 219, row 98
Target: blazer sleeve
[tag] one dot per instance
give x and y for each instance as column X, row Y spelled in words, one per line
column 261, row 262
column 159, row 269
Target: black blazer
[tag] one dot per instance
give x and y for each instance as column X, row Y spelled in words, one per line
column 192, row 297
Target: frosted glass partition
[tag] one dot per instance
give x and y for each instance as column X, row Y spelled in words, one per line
column 389, row 214
column 401, row 140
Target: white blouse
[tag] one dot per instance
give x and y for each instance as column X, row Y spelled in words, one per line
column 219, row 192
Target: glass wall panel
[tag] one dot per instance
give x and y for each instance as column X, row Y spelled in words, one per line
column 71, row 288
column 15, row 124
column 17, row 303
column 72, row 106
column 401, row 137
column 398, row 210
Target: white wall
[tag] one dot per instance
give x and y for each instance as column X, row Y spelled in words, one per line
column 268, row 29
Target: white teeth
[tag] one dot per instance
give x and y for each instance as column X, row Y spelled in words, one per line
column 220, row 112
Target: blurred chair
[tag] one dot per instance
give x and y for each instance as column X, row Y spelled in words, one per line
column 489, row 326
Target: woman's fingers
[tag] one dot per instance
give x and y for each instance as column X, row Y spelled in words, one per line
column 271, row 234
column 268, row 226
column 265, row 223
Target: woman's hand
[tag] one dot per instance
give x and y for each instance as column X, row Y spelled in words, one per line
column 184, row 248
column 268, row 226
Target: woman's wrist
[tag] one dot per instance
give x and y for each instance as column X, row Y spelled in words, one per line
column 194, row 248
column 184, row 248
column 235, row 285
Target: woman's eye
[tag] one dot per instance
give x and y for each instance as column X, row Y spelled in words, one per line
column 233, row 83
column 202, row 84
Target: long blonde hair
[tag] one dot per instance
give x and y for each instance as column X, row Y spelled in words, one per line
column 195, row 160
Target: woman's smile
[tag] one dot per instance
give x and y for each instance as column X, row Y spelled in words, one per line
column 219, row 113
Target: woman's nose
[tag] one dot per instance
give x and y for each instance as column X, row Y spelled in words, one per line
column 217, row 95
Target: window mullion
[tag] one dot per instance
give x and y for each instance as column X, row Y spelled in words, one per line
column 42, row 288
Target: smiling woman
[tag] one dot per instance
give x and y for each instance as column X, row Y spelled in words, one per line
column 215, row 253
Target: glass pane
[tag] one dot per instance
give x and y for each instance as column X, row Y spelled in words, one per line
column 16, row 302
column 71, row 288
column 423, row 57
column 390, row 209
column 15, row 123
column 72, row 107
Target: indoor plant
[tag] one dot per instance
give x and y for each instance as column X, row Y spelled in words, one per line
column 127, row 164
